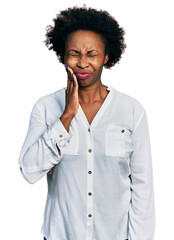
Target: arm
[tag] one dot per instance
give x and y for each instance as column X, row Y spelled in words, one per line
column 142, row 209
column 43, row 146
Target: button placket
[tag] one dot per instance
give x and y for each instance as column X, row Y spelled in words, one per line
column 90, row 158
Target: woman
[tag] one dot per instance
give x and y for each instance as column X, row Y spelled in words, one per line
column 91, row 140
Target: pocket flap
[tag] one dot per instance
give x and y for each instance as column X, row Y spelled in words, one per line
column 118, row 141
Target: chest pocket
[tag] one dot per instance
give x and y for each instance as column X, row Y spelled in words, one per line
column 73, row 144
column 118, row 141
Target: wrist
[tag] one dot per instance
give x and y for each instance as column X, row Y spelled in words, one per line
column 67, row 115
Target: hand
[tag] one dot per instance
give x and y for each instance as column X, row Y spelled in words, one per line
column 72, row 101
column 72, row 97
column 50, row 173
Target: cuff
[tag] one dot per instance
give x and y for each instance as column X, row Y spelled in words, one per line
column 58, row 133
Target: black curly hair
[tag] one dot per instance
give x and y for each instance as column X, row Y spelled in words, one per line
column 83, row 18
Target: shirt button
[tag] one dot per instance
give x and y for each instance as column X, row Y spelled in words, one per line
column 20, row 168
column 90, row 150
column 122, row 130
column 89, row 193
column 89, row 215
column 89, row 130
column 60, row 135
column 89, row 172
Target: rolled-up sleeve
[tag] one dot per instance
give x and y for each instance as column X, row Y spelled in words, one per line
column 142, row 209
column 43, row 146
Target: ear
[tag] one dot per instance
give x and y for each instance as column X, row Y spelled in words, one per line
column 106, row 58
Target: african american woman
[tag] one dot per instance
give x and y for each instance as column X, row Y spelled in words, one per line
column 90, row 140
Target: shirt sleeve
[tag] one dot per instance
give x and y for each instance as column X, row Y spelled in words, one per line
column 142, row 209
column 43, row 146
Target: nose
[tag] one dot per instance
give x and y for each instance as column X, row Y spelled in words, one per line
column 83, row 62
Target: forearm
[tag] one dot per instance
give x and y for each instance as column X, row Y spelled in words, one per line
column 66, row 120
column 43, row 147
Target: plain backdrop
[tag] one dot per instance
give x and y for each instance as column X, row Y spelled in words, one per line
column 29, row 71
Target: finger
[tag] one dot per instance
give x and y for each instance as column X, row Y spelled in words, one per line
column 75, row 80
column 68, row 78
column 71, row 79
column 68, row 84
column 70, row 72
column 76, row 84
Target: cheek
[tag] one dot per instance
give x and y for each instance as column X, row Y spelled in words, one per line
column 97, row 63
column 71, row 61
column 98, row 66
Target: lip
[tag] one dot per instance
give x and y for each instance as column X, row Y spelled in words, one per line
column 83, row 75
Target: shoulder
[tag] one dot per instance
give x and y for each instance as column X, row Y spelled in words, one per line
column 56, row 97
column 129, row 103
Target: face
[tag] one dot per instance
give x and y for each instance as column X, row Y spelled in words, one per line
column 84, row 54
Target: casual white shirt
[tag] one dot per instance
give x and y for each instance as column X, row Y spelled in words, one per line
column 102, row 183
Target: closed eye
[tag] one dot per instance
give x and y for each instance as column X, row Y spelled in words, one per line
column 92, row 55
column 73, row 53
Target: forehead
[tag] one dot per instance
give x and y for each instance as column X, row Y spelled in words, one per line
column 81, row 39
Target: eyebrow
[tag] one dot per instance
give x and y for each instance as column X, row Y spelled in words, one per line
column 76, row 51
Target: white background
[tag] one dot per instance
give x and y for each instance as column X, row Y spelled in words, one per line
column 29, row 71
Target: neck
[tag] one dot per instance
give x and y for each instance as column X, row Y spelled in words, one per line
column 91, row 94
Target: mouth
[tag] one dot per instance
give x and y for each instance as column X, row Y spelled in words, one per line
column 83, row 75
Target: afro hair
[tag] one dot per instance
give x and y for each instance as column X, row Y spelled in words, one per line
column 83, row 18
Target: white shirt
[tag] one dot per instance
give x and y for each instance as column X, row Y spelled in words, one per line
column 102, row 183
